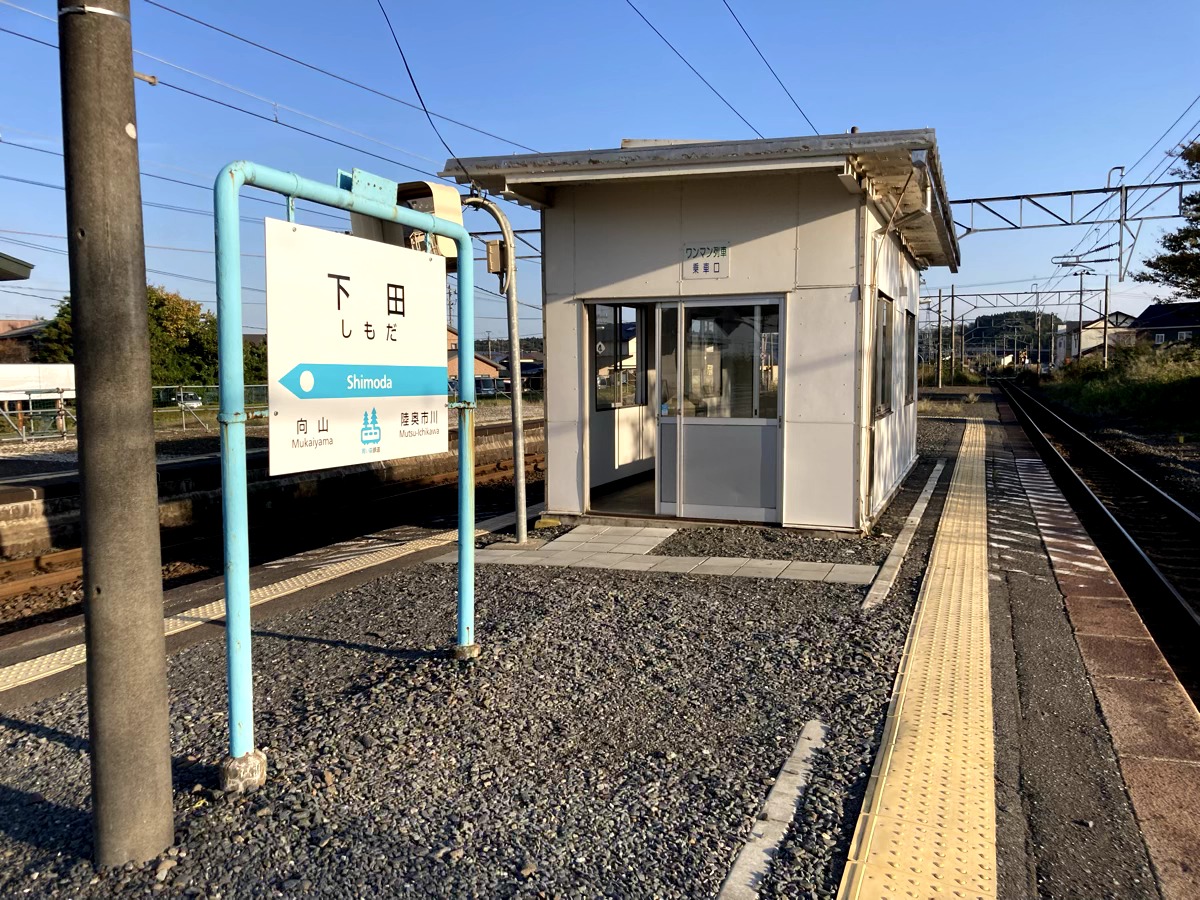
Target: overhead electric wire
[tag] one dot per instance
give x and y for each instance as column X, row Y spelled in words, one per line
column 334, row 75
column 260, row 116
column 417, row 91
column 62, row 237
column 695, row 72
column 179, row 181
column 494, row 295
column 1190, row 135
column 169, row 207
column 770, row 68
column 1125, row 174
column 276, row 105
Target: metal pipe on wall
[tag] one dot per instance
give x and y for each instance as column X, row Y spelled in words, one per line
column 508, row 284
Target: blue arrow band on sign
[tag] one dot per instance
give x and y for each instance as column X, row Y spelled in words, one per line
column 326, row 381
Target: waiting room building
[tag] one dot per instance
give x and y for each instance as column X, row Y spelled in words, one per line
column 731, row 327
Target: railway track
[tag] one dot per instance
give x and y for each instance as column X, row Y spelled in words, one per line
column 45, row 573
column 1150, row 538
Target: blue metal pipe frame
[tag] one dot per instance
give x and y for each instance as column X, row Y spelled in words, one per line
column 232, row 415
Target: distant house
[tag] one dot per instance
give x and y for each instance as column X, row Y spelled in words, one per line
column 483, row 365
column 1166, row 323
column 1066, row 339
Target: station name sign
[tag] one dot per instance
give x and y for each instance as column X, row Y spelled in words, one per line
column 356, row 358
column 709, row 259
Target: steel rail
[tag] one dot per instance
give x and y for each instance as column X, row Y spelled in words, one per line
column 1054, row 456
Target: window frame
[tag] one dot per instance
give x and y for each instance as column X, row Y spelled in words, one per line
column 1183, row 335
column 910, row 357
column 1160, row 337
column 883, row 362
column 638, row 367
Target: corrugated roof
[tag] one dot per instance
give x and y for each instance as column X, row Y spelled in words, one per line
column 900, row 168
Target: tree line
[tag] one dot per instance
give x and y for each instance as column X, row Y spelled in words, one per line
column 183, row 341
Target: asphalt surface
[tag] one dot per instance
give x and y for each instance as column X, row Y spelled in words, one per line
column 1065, row 825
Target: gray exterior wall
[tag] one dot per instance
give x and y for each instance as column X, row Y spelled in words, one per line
column 801, row 238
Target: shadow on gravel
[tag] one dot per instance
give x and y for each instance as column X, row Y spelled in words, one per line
column 32, row 819
column 402, row 655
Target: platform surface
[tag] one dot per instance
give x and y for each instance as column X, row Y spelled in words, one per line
column 928, row 825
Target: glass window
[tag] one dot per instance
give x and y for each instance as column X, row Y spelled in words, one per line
column 883, row 356
column 731, row 362
column 668, row 374
column 768, row 363
column 1185, row 335
column 1160, row 338
column 910, row 357
column 617, row 348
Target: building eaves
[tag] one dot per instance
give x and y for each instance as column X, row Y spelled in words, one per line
column 13, row 269
column 901, row 170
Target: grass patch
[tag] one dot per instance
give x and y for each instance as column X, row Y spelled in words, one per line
column 1151, row 387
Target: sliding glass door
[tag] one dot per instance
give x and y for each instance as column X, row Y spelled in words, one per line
column 718, row 409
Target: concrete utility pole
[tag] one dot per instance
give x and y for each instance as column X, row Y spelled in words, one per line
column 1038, row 308
column 122, row 564
column 1106, row 282
column 939, row 366
column 508, row 284
column 952, row 339
column 1079, row 351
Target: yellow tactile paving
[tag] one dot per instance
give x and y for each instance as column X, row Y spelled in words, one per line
column 928, row 826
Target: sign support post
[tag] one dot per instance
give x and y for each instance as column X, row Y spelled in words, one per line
column 245, row 768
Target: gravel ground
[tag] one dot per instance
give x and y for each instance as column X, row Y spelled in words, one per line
column 616, row 738
column 757, row 542
column 1173, row 466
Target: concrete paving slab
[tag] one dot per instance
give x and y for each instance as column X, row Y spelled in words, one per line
column 1124, row 657
column 763, row 568
column 566, row 559
column 1111, row 616
column 720, row 565
column 676, row 563
column 635, row 564
column 1157, row 719
column 637, row 549
column 807, row 571
column 601, row 561
column 1161, row 790
column 844, row 573
column 531, row 544
column 651, row 540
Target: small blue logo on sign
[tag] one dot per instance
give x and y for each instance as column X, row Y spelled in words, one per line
column 371, row 432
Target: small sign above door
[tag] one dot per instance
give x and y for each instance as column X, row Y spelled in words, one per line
column 710, row 259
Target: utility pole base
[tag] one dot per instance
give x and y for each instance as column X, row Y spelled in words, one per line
column 467, row 651
column 244, row 774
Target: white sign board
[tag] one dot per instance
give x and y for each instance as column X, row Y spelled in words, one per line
column 710, row 259
column 41, row 381
column 356, row 352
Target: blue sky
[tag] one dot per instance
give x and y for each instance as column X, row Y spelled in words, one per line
column 1035, row 96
